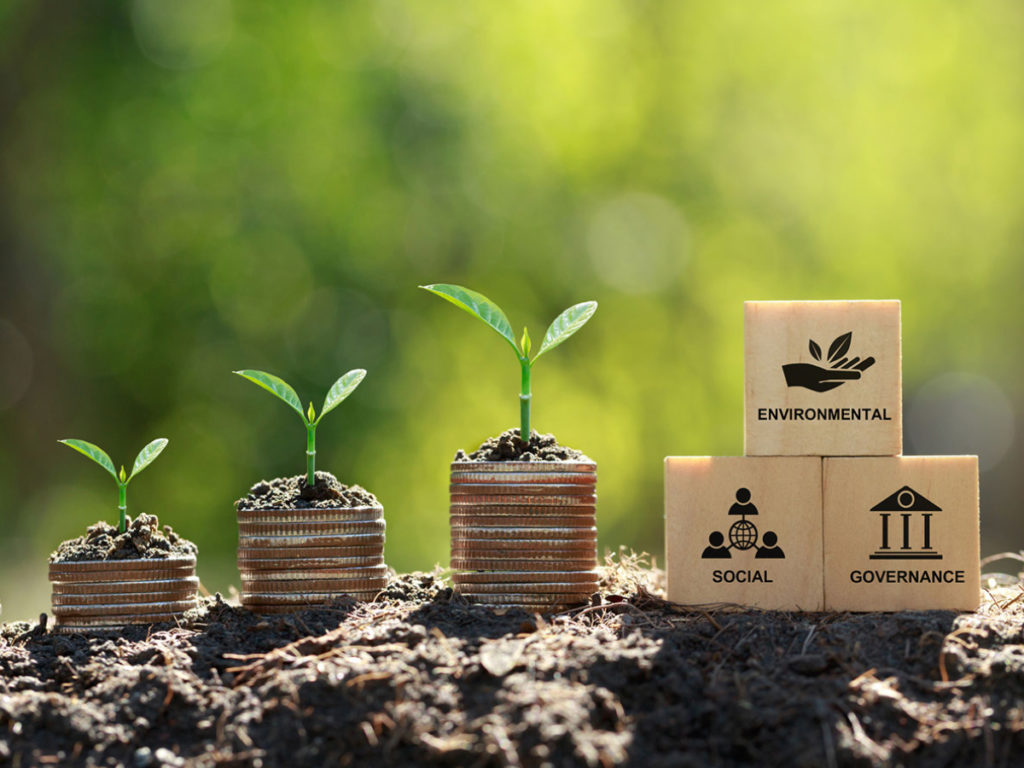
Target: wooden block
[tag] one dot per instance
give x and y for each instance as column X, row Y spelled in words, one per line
column 823, row 378
column 744, row 530
column 901, row 533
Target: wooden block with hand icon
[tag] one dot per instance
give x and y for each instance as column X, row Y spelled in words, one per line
column 803, row 398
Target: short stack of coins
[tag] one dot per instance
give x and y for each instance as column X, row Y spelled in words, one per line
column 98, row 595
column 294, row 558
column 524, row 534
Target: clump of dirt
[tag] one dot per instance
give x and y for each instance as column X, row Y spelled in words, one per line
column 142, row 540
column 294, row 493
column 421, row 677
column 508, row 447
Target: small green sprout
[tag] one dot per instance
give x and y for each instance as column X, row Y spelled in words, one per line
column 561, row 328
column 143, row 460
column 341, row 389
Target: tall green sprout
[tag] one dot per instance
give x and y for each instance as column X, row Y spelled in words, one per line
column 561, row 328
column 143, row 460
column 278, row 387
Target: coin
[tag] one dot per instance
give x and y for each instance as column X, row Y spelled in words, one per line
column 520, row 548
column 466, row 533
column 59, row 601
column 458, row 490
column 531, row 588
column 97, row 625
column 257, row 554
column 522, row 521
column 122, row 587
column 122, row 570
column 114, row 610
column 512, row 467
column 299, row 599
column 537, row 562
column 317, row 528
column 527, row 598
column 521, row 500
column 313, row 586
column 528, row 478
column 324, row 564
column 351, row 514
column 378, row 571
column 527, row 577
column 349, row 540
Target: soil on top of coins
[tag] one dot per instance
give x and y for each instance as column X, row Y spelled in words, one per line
column 294, row 493
column 420, row 677
column 508, row 447
column 141, row 540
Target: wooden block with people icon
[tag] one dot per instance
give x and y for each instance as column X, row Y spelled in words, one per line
column 744, row 530
column 823, row 378
column 901, row 533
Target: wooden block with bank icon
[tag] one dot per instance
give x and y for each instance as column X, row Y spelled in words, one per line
column 744, row 530
column 823, row 378
column 901, row 533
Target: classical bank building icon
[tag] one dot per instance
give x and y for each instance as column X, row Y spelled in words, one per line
column 906, row 526
column 743, row 534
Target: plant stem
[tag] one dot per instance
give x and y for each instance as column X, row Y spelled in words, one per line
column 310, row 455
column 524, row 401
column 122, row 489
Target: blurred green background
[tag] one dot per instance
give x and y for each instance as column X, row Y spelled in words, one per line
column 196, row 186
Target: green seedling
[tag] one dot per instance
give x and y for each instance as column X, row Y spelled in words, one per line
column 143, row 460
column 561, row 328
column 278, row 387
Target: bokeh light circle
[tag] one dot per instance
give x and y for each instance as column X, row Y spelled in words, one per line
column 961, row 413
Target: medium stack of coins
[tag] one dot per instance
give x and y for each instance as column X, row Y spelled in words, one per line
column 293, row 558
column 524, row 534
column 97, row 595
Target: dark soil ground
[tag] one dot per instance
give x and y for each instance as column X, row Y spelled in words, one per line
column 420, row 677
column 142, row 539
column 294, row 493
column 508, row 447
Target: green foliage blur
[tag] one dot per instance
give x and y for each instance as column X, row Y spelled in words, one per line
column 193, row 187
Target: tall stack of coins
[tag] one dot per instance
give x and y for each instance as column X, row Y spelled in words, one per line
column 524, row 534
column 97, row 595
column 291, row 558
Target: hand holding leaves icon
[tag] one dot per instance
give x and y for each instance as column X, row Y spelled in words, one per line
column 841, row 369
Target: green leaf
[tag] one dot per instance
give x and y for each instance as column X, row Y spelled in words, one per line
column 94, row 452
column 122, row 477
column 566, row 324
column 310, row 413
column 525, row 342
column 477, row 305
column 147, row 455
column 840, row 347
column 276, row 386
column 341, row 389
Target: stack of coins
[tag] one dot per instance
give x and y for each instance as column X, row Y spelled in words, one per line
column 99, row 595
column 524, row 534
column 291, row 558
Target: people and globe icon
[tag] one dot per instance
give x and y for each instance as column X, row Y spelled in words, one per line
column 743, row 534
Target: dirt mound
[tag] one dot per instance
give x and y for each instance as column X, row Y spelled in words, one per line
column 294, row 493
column 142, row 539
column 420, row 677
column 508, row 447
